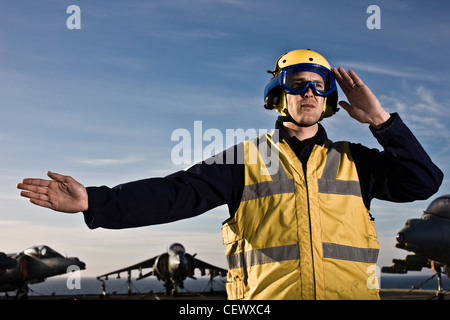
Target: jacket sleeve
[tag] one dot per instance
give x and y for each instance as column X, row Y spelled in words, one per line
column 181, row 195
column 403, row 172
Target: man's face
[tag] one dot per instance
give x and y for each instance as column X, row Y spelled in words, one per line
column 306, row 108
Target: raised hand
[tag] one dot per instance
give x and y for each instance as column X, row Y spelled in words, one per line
column 363, row 105
column 62, row 193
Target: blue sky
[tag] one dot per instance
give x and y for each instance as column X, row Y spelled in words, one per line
column 100, row 103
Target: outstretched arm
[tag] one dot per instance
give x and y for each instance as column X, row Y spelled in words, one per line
column 363, row 105
column 62, row 193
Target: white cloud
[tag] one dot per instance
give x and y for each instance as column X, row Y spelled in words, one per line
column 393, row 103
column 109, row 161
column 427, row 101
column 420, row 110
column 386, row 70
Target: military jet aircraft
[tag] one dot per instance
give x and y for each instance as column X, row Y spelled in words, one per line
column 6, row 262
column 32, row 265
column 429, row 239
column 171, row 267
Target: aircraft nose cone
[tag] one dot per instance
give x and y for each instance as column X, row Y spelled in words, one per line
column 400, row 238
column 419, row 235
column 78, row 263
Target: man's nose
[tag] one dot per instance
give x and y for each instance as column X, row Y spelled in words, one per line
column 308, row 93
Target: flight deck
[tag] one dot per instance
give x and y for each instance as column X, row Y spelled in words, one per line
column 385, row 294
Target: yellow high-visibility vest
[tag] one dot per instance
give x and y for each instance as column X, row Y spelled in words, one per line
column 300, row 237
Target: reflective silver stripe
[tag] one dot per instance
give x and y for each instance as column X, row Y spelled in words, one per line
column 280, row 182
column 291, row 252
column 332, row 163
column 328, row 182
column 267, row 188
column 341, row 252
column 262, row 256
column 340, row 187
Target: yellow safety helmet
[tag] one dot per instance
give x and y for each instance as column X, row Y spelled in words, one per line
column 296, row 61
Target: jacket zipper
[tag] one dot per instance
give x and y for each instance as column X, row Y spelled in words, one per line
column 310, row 231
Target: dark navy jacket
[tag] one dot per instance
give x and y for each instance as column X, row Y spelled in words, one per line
column 403, row 172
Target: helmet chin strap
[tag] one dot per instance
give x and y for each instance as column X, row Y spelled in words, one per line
column 288, row 118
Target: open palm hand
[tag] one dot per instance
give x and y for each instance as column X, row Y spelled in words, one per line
column 62, row 193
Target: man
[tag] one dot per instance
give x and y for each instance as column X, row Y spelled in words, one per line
column 300, row 229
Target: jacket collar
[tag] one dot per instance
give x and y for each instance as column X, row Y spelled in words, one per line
column 320, row 136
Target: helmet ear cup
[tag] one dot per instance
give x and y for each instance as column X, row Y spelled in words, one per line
column 273, row 98
column 331, row 105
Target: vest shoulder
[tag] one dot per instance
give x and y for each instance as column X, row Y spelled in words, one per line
column 339, row 145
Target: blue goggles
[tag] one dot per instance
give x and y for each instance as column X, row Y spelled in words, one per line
column 293, row 81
